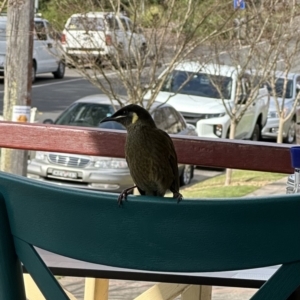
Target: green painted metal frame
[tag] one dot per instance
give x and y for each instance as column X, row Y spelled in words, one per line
column 148, row 233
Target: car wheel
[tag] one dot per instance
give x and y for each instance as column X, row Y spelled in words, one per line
column 33, row 72
column 60, row 72
column 186, row 175
column 291, row 134
column 256, row 133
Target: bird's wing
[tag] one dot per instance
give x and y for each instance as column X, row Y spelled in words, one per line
column 173, row 163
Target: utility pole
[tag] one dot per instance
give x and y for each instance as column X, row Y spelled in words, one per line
column 18, row 70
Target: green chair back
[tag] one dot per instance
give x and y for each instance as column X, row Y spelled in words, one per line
column 147, row 233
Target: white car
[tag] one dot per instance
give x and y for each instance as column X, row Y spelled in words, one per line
column 270, row 130
column 46, row 49
column 101, row 35
column 189, row 90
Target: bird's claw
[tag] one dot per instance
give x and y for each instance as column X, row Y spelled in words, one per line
column 122, row 197
column 177, row 196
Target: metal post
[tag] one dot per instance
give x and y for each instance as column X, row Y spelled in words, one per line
column 18, row 70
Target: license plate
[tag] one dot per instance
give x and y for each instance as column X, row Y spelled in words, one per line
column 65, row 174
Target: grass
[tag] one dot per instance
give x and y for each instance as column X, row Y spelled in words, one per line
column 243, row 183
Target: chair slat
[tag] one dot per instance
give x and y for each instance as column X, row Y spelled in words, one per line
column 11, row 277
column 281, row 285
column 40, row 273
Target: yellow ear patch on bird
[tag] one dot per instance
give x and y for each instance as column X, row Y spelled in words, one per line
column 135, row 117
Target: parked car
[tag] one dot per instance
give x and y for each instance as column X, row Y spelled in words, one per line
column 190, row 91
column 101, row 35
column 270, row 130
column 101, row 173
column 46, row 49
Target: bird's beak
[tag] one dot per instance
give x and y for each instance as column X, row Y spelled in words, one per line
column 112, row 118
column 107, row 119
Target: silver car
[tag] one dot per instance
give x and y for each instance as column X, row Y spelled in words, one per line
column 270, row 130
column 101, row 173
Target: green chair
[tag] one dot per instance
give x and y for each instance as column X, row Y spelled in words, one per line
column 147, row 233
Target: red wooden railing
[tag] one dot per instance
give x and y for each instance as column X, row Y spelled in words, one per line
column 234, row 154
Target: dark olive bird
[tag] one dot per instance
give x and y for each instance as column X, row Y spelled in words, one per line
column 149, row 152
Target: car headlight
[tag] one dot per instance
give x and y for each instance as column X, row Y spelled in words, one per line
column 110, row 163
column 273, row 114
column 39, row 155
column 210, row 116
column 218, row 130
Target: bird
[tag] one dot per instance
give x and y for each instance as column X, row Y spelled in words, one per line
column 149, row 152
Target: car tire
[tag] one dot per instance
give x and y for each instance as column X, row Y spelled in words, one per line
column 33, row 72
column 186, row 175
column 256, row 133
column 60, row 72
column 291, row 134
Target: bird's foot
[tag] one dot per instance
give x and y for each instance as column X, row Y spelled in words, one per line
column 177, row 196
column 123, row 196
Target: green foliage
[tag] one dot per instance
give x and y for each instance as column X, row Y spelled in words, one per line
column 58, row 11
column 152, row 16
column 203, row 18
column 243, row 183
column 53, row 12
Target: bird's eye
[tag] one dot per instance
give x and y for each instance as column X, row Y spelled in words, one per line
column 125, row 112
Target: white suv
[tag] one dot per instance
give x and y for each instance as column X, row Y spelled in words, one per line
column 46, row 49
column 190, row 91
column 100, row 35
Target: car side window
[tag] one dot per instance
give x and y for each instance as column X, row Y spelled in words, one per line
column 112, row 23
column 297, row 85
column 2, row 31
column 173, row 123
column 159, row 118
column 130, row 25
column 51, row 32
column 124, row 24
column 181, row 120
column 40, row 30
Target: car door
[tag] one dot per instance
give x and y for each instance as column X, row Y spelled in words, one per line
column 116, row 31
column 54, row 44
column 135, row 37
column 44, row 49
column 126, row 36
column 246, row 124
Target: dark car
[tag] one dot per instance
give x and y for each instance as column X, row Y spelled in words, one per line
column 102, row 173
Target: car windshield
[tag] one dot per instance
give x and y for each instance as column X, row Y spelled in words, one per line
column 88, row 115
column 279, row 86
column 2, row 31
column 198, row 84
column 86, row 23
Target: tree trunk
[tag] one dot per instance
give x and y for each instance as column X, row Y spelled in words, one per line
column 231, row 136
column 18, row 68
column 280, row 131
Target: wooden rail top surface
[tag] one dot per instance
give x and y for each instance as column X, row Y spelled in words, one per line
column 236, row 154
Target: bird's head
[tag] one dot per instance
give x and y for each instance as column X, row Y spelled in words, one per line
column 131, row 115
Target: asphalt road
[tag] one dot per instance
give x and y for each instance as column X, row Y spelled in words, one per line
column 50, row 96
